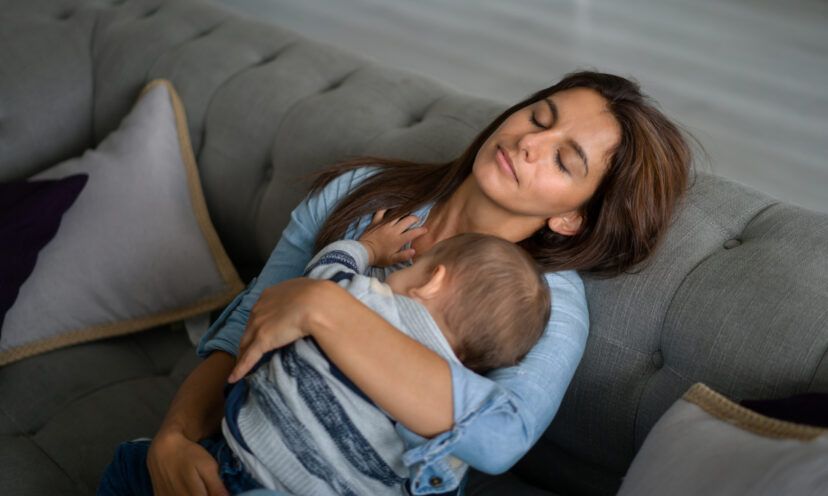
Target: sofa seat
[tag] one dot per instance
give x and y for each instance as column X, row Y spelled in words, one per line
column 63, row 412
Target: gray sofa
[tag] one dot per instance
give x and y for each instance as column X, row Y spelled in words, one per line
column 736, row 297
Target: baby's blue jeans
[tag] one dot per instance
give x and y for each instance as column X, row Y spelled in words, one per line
column 127, row 474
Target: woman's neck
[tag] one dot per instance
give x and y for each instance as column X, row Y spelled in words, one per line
column 469, row 210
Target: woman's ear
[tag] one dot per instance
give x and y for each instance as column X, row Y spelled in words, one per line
column 566, row 224
column 432, row 286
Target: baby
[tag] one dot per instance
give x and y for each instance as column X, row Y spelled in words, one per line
column 297, row 424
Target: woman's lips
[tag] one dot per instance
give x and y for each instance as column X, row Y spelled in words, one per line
column 506, row 164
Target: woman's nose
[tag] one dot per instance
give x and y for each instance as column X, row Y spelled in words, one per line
column 534, row 145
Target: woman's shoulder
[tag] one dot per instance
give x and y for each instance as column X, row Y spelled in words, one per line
column 324, row 200
column 569, row 280
column 569, row 303
column 350, row 179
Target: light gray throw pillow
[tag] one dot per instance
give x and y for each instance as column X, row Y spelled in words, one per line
column 136, row 249
column 707, row 444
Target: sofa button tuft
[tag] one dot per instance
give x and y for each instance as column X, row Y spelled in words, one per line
column 657, row 359
column 732, row 243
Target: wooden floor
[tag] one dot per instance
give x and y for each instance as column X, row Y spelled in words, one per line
column 748, row 78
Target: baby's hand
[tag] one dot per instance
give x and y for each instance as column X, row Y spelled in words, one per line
column 383, row 243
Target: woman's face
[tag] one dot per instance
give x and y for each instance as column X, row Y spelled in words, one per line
column 558, row 148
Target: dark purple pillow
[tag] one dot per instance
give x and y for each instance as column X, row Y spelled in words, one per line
column 805, row 408
column 30, row 214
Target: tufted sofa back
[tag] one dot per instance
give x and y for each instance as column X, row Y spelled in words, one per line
column 265, row 106
column 736, row 297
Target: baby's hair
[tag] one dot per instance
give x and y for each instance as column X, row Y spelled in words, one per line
column 499, row 301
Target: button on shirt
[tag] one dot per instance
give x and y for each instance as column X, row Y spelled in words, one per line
column 497, row 417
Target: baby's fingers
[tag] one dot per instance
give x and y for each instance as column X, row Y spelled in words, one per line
column 406, row 222
column 412, row 234
column 402, row 256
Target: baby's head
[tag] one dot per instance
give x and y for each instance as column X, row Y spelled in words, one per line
column 488, row 296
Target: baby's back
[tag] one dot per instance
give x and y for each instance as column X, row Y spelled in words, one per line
column 311, row 431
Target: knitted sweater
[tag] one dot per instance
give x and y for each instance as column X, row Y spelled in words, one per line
column 300, row 426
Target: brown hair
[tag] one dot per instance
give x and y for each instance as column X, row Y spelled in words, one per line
column 623, row 221
column 499, row 302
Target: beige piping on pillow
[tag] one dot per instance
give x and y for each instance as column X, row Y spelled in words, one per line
column 721, row 407
column 115, row 329
column 225, row 267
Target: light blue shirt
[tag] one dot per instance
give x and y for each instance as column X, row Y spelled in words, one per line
column 497, row 417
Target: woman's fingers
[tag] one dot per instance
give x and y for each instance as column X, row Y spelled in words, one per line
column 208, row 480
column 276, row 320
column 247, row 359
column 402, row 256
column 180, row 466
column 247, row 336
column 194, row 485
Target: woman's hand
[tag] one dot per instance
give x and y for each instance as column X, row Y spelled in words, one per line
column 179, row 466
column 280, row 316
column 384, row 243
column 176, row 463
column 402, row 376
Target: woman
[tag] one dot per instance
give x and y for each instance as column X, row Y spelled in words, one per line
column 584, row 175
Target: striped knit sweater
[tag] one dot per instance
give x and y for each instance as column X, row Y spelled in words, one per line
column 300, row 426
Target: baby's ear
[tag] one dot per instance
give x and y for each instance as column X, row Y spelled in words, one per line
column 432, row 285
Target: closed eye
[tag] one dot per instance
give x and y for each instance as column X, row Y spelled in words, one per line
column 558, row 161
column 534, row 121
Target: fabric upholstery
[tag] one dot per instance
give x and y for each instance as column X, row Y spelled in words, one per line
column 65, row 411
column 734, row 298
column 45, row 119
column 226, row 67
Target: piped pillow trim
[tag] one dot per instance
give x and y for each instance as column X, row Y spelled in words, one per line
column 722, row 408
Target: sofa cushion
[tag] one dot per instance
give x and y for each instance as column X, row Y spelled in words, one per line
column 707, row 444
column 73, row 406
column 136, row 250
column 33, row 471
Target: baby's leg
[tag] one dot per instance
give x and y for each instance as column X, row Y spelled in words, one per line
column 127, row 474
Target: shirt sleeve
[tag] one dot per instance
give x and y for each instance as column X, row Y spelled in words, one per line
column 497, row 418
column 346, row 256
column 288, row 260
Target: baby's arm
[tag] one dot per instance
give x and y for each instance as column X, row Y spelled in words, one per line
column 384, row 242
column 379, row 245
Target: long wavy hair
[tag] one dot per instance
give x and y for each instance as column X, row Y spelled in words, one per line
column 623, row 221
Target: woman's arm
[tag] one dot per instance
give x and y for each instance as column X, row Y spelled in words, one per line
column 177, row 465
column 488, row 422
column 498, row 418
column 379, row 358
column 175, row 458
column 403, row 377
